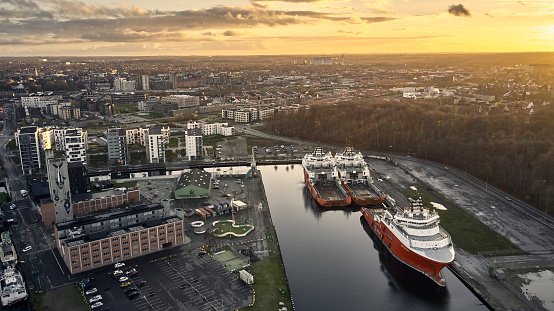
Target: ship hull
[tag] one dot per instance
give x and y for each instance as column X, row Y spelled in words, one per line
column 373, row 201
column 325, row 203
column 430, row 268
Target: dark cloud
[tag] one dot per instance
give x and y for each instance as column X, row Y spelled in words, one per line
column 78, row 21
column 459, row 10
column 231, row 33
column 22, row 4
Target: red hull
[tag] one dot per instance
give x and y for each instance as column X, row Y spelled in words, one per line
column 369, row 201
column 428, row 267
column 323, row 202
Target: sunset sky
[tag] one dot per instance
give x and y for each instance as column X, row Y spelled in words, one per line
column 236, row 27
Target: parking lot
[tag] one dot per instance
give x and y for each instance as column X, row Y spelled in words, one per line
column 174, row 280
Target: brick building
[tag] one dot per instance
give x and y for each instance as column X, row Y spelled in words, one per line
column 91, row 242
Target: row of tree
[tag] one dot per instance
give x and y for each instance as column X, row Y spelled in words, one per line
column 512, row 150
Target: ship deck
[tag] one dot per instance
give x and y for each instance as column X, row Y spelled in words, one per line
column 329, row 191
column 362, row 191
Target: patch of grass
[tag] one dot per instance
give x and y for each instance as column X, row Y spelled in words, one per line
column 467, row 232
column 269, row 285
column 50, row 300
column 5, row 197
column 98, row 160
column 125, row 108
column 222, row 227
column 128, row 184
column 212, row 140
column 11, row 145
column 173, row 142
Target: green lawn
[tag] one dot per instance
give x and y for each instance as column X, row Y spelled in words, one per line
column 467, row 232
column 173, row 142
column 11, row 145
column 222, row 227
column 129, row 184
column 50, row 300
column 125, row 108
column 98, row 160
column 270, row 285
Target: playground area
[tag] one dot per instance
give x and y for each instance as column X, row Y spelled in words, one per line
column 230, row 258
column 229, row 228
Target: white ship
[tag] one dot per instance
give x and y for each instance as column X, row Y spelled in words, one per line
column 12, row 287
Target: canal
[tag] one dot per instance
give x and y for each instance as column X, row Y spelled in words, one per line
column 334, row 263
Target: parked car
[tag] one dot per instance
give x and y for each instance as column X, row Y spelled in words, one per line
column 125, row 284
column 95, row 299
column 131, row 272
column 119, row 265
column 91, row 291
column 96, row 305
column 118, row 273
column 27, row 248
column 141, row 283
column 133, row 294
column 123, row 279
column 130, row 289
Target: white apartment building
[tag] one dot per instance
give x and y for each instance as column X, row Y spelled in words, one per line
column 72, row 141
column 133, row 136
column 143, row 132
column 245, row 115
column 117, row 145
column 193, row 143
column 209, row 129
column 155, row 147
column 266, row 113
column 183, row 101
column 121, row 84
column 40, row 100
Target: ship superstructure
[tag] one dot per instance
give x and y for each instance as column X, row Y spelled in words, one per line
column 322, row 179
column 355, row 177
column 414, row 237
column 12, row 287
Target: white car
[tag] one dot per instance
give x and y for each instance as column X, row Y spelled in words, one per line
column 97, row 305
column 91, row 291
column 95, row 299
column 119, row 265
column 123, row 279
column 27, row 248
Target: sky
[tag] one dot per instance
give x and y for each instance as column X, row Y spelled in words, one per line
column 272, row 27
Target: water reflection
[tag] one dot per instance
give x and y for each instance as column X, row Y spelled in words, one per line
column 403, row 277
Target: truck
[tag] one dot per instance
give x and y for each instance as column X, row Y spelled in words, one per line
column 24, row 193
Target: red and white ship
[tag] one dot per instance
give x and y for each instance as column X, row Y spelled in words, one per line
column 321, row 178
column 355, row 177
column 414, row 237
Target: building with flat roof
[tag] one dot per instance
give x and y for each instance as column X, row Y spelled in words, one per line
column 155, row 147
column 91, row 242
column 193, row 144
column 27, row 138
column 118, row 149
column 195, row 183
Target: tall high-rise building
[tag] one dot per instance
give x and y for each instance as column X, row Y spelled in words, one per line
column 117, row 145
column 145, row 82
column 72, row 141
column 60, row 193
column 193, row 142
column 27, row 138
column 155, row 147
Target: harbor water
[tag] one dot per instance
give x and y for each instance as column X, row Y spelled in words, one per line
column 333, row 261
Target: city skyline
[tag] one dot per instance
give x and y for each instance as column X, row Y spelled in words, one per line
column 269, row 27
